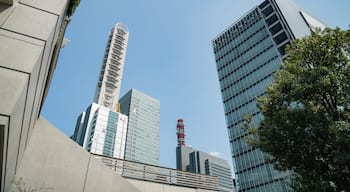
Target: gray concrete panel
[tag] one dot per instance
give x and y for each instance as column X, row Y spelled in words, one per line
column 30, row 21
column 29, row 114
column 102, row 178
column 30, row 57
column 145, row 186
column 52, row 6
column 13, row 86
column 52, row 161
column 19, row 52
column 14, row 138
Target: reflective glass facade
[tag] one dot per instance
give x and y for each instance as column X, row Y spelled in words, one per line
column 102, row 131
column 223, row 173
column 247, row 55
column 203, row 163
column 142, row 142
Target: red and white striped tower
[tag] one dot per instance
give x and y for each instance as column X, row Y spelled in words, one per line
column 180, row 132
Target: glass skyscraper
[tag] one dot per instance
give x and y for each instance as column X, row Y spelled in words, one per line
column 142, row 140
column 247, row 55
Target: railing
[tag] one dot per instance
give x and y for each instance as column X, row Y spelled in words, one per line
column 146, row 172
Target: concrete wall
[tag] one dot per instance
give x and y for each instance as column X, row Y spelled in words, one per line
column 53, row 162
column 145, row 186
column 28, row 33
column 32, row 149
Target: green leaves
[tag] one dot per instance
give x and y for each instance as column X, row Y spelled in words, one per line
column 306, row 127
column 73, row 4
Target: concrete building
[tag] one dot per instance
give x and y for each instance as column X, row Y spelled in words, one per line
column 191, row 160
column 34, row 154
column 109, row 81
column 31, row 34
column 101, row 131
column 247, row 55
column 142, row 140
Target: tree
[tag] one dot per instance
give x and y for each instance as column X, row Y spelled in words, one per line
column 73, row 4
column 306, row 125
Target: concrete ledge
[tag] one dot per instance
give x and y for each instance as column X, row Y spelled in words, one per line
column 158, row 187
column 54, row 162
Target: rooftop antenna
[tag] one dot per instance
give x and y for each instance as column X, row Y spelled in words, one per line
column 180, row 127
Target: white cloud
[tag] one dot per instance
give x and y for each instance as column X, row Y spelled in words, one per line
column 216, row 154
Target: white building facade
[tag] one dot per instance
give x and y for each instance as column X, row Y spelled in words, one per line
column 102, row 131
column 110, row 77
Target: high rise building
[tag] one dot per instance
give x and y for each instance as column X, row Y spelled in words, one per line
column 100, row 129
column 109, row 81
column 189, row 159
column 142, row 141
column 247, row 55
column 204, row 163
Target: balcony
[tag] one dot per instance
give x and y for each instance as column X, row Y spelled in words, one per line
column 157, row 174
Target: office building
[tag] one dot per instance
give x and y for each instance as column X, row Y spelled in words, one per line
column 142, row 140
column 102, row 131
column 204, row 163
column 191, row 160
column 182, row 157
column 247, row 55
column 110, row 77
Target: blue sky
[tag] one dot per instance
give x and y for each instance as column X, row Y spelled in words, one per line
column 169, row 57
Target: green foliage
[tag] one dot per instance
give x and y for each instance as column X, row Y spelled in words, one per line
column 306, row 126
column 73, row 4
column 21, row 186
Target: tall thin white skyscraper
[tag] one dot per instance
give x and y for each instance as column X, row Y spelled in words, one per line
column 101, row 129
column 109, row 81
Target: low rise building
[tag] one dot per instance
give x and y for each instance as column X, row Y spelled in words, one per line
column 192, row 160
